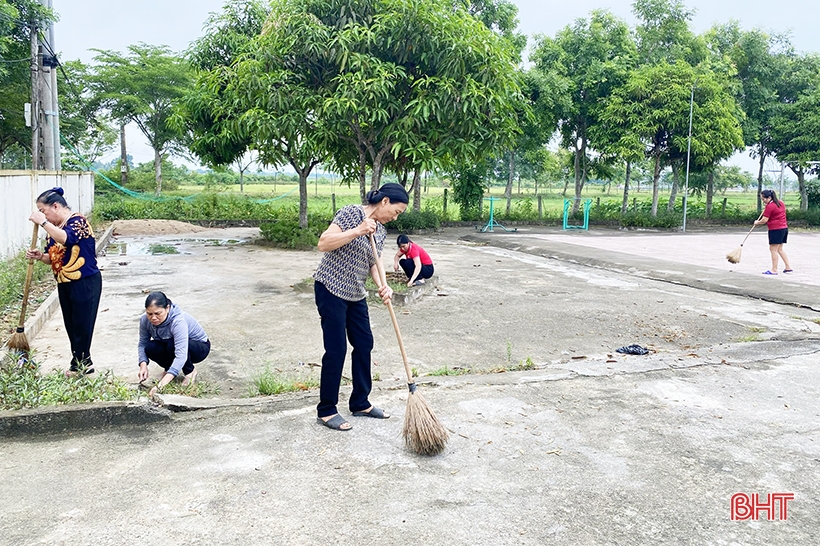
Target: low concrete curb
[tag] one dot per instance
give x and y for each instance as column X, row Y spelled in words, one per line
column 79, row 417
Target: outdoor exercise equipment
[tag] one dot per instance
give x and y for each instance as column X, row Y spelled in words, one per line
column 587, row 206
column 491, row 223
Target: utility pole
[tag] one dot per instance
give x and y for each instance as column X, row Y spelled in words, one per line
column 48, row 100
column 35, row 100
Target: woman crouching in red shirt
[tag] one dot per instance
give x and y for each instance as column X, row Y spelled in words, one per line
column 416, row 263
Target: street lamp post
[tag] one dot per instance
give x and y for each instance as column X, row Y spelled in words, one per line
column 688, row 154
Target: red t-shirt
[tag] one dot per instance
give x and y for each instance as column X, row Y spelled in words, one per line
column 415, row 251
column 776, row 215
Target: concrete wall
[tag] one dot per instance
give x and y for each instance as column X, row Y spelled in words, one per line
column 19, row 189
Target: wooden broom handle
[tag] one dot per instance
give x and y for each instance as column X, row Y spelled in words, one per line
column 383, row 282
column 750, row 231
column 29, row 272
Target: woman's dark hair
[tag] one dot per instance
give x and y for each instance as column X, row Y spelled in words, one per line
column 394, row 192
column 402, row 239
column 771, row 195
column 54, row 195
column 158, row 299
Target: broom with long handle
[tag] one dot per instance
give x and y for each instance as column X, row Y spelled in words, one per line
column 18, row 341
column 734, row 256
column 423, row 432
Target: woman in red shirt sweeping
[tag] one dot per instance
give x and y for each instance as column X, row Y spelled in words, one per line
column 774, row 216
column 416, row 263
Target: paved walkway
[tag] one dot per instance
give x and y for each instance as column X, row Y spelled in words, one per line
column 589, row 447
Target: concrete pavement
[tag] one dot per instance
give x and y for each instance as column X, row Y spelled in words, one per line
column 589, row 447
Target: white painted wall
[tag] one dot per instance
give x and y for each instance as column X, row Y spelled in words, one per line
column 19, row 189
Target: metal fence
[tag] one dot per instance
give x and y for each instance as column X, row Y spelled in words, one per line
column 19, row 189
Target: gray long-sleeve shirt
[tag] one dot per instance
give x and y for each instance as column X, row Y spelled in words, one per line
column 178, row 327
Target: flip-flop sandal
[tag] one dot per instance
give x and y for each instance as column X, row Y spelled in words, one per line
column 375, row 413
column 788, row 271
column 334, row 422
column 767, row 272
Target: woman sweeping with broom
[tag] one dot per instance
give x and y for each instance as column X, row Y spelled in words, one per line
column 71, row 252
column 774, row 216
column 341, row 300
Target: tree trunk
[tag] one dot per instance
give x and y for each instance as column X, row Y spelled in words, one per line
column 417, row 189
column 673, row 195
column 378, row 166
column 303, row 196
column 508, row 189
column 625, row 202
column 362, row 175
column 123, row 157
column 158, row 171
column 804, row 195
column 655, row 178
column 710, row 193
column 580, row 174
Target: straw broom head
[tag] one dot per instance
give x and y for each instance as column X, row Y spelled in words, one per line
column 19, row 342
column 734, row 256
column 423, row 432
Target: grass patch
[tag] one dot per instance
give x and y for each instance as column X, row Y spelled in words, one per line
column 450, row 371
column 748, row 338
column 524, row 365
column 269, row 382
column 200, row 389
column 23, row 386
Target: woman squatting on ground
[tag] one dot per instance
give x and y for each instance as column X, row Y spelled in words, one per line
column 339, row 288
column 416, row 263
column 172, row 338
column 72, row 254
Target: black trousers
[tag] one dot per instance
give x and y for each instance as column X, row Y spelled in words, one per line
column 162, row 352
column 79, row 302
column 343, row 321
column 409, row 267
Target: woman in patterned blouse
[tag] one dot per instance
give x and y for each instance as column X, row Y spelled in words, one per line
column 71, row 252
column 341, row 300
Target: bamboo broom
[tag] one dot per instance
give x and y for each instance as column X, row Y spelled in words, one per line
column 18, row 341
column 423, row 432
column 734, row 256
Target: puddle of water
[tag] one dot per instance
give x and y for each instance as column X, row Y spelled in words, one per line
column 169, row 247
column 124, row 249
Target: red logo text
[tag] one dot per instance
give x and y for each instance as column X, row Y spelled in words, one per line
column 775, row 506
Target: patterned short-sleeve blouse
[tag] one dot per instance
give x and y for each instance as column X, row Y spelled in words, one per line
column 344, row 270
column 77, row 258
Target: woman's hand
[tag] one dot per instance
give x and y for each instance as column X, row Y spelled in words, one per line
column 34, row 254
column 367, row 226
column 143, row 373
column 37, row 217
column 386, row 293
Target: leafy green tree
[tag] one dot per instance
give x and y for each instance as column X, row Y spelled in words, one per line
column 142, row 87
column 652, row 110
column 761, row 61
column 588, row 60
column 422, row 80
column 205, row 113
column 663, row 33
column 795, row 133
column 89, row 131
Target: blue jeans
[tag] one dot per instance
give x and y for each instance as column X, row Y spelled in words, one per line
column 343, row 321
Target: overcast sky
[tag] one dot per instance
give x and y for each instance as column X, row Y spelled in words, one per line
column 116, row 24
